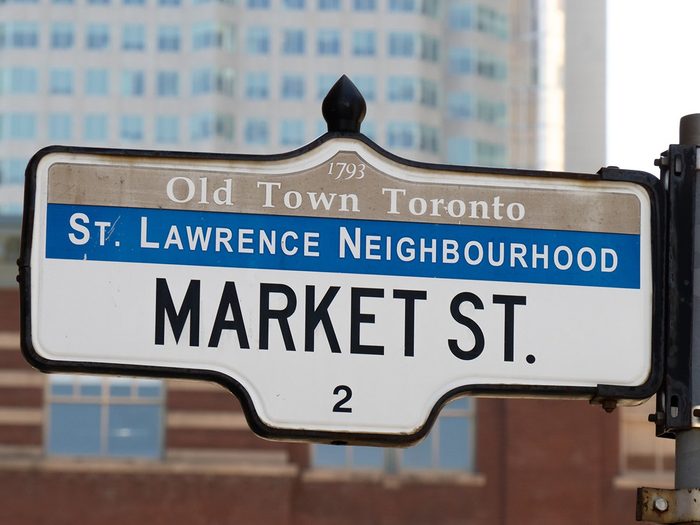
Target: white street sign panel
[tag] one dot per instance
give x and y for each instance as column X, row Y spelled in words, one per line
column 341, row 292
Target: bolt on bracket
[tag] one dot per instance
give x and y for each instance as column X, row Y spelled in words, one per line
column 668, row 505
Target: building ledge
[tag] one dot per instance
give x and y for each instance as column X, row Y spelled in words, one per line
column 433, row 477
column 249, row 463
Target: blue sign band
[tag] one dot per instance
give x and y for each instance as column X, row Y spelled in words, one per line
column 411, row 249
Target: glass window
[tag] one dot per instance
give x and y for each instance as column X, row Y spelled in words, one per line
column 167, row 129
column 293, row 42
column 225, row 126
column 204, row 35
column 12, row 171
column 364, row 42
column 428, row 139
column 88, row 417
column 292, row 132
column 134, row 2
column 23, row 35
column 402, row 5
column 131, row 127
column 366, row 84
column 324, row 85
column 430, row 8
column 62, row 35
column 293, row 4
column 133, row 83
column 460, row 150
column 459, row 105
column 292, row 87
column 96, row 82
column 19, row 81
column 98, row 2
column 401, row 135
column 257, row 86
column 258, row 4
column 226, row 81
column 461, row 16
column 168, row 83
column 97, row 36
column 258, row 40
column 134, row 37
column 401, row 89
column 364, row 5
column 428, row 93
column 401, row 45
column 61, row 81
column 449, row 446
column 169, row 3
column 429, row 48
column 201, row 126
column 202, row 81
column 63, row 2
column 22, row 126
column 169, row 38
column 329, row 5
column 95, row 127
column 256, row 132
column 328, row 42
column 460, row 61
column 490, row 153
column 60, row 126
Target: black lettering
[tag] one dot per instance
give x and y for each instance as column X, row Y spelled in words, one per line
column 509, row 301
column 319, row 314
column 357, row 318
column 467, row 355
column 188, row 309
column 410, row 297
column 282, row 316
column 229, row 301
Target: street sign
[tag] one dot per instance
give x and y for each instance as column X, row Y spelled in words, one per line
column 344, row 294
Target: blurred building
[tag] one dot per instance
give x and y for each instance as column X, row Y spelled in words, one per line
column 453, row 81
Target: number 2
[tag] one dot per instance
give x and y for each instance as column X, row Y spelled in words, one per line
column 338, row 407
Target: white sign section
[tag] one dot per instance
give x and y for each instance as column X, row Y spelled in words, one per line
column 341, row 292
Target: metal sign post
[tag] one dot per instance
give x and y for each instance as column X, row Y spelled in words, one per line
column 678, row 401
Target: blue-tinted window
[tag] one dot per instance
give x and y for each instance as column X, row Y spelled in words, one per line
column 428, row 93
column 401, row 89
column 202, row 81
column 460, row 150
column 258, row 40
column 460, row 61
column 491, row 112
column 293, row 41
column 490, row 66
column 402, row 135
column 429, row 48
column 169, row 38
column 97, row 36
column 226, row 81
column 402, row 44
column 63, row 2
column 133, row 83
column 257, row 86
column 428, row 139
column 292, row 87
column 293, row 4
column 19, row 80
column 134, row 2
column 324, row 84
column 167, row 129
column 95, row 127
column 12, row 172
column 292, row 132
column 449, row 446
column 131, row 127
column 85, row 420
column 328, row 42
column 461, row 16
column 204, row 35
column 23, row 35
column 256, row 132
column 459, row 105
column 22, row 126
column 258, row 4
column 366, row 84
column 134, row 37
column 98, row 2
column 430, row 8
column 168, row 83
column 364, row 42
column 329, row 5
column 169, row 3
column 364, row 5
column 60, row 126
column 62, row 35
column 61, row 81
column 201, row 126
column 402, row 5
column 97, row 82
column 490, row 153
